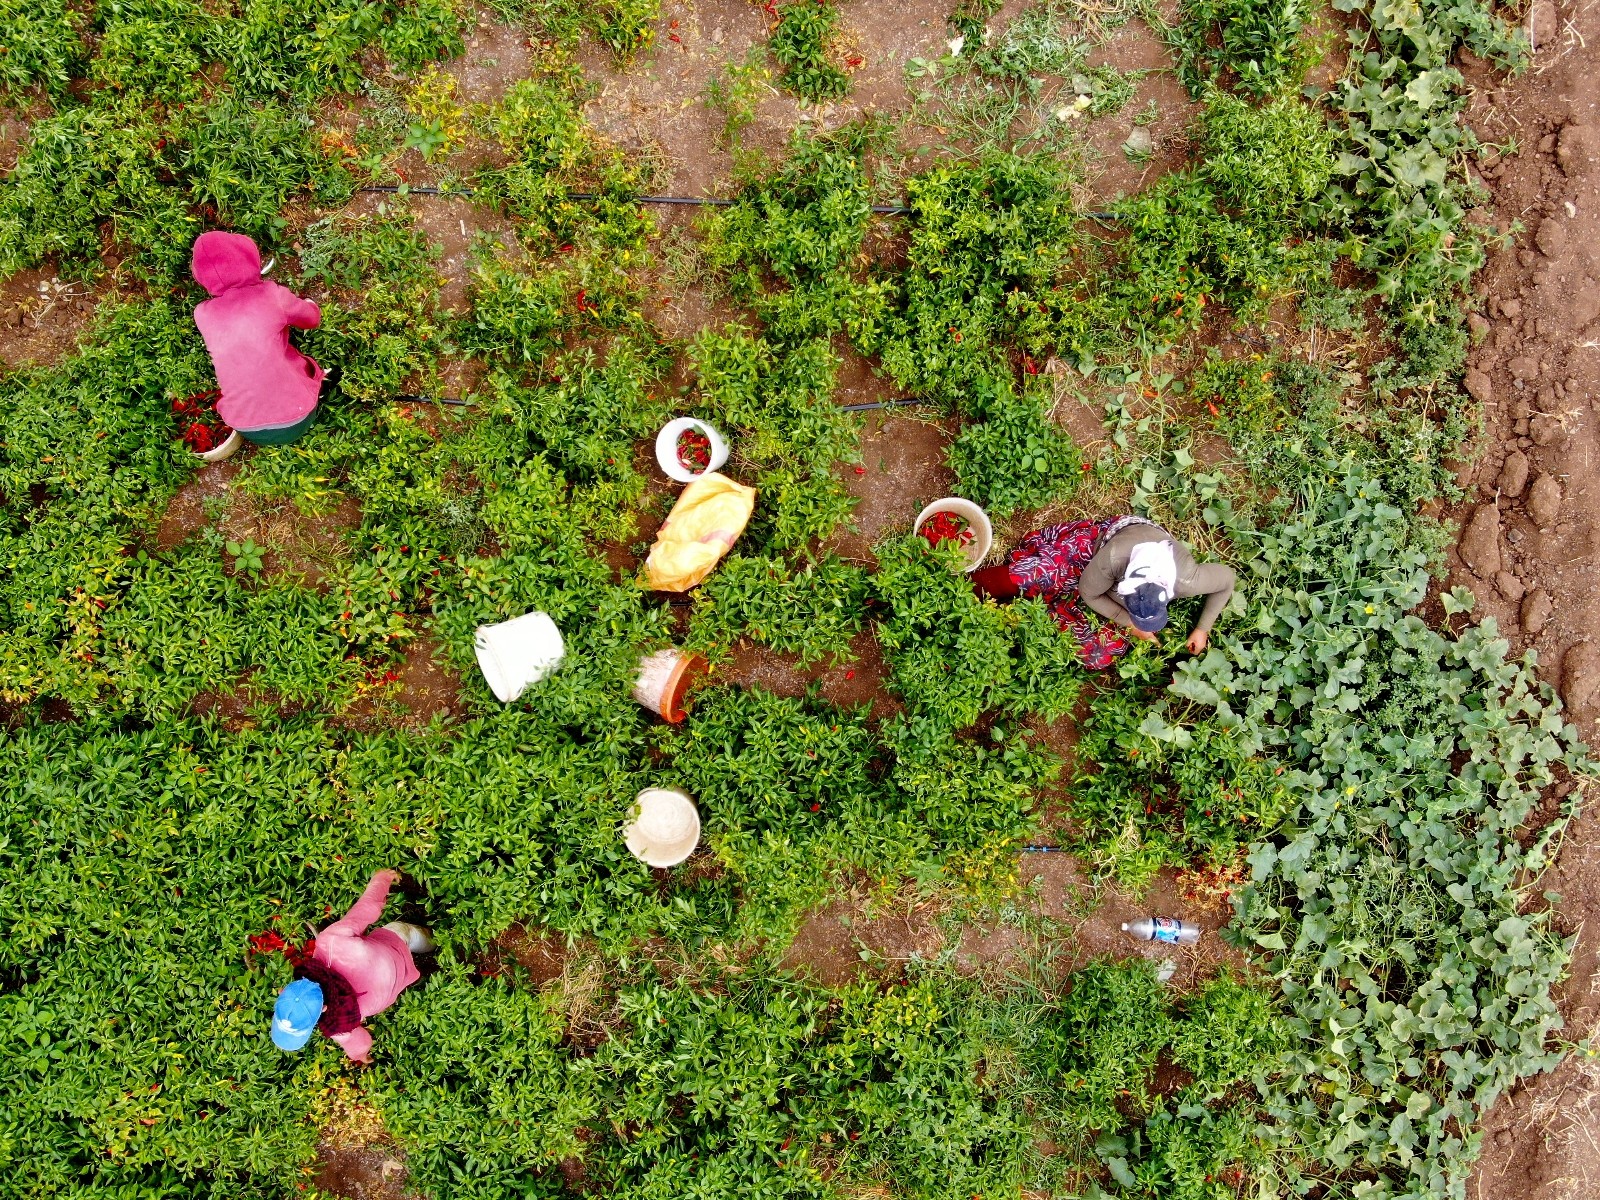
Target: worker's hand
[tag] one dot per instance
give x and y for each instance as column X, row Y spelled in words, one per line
column 1140, row 635
column 389, row 875
column 1198, row 641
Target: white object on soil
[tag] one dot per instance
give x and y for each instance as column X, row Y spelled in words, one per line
column 516, row 654
column 977, row 520
column 667, row 449
column 664, row 828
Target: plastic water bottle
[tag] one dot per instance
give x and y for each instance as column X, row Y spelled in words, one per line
column 1163, row 929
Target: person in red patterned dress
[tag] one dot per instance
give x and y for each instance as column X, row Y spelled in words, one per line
column 1125, row 569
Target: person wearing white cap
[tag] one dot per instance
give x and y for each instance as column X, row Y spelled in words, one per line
column 664, row 829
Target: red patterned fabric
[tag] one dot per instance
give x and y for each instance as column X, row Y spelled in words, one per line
column 1047, row 564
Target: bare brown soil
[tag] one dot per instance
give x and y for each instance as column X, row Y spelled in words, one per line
column 42, row 317
column 369, row 1171
column 198, row 503
column 853, row 938
column 1061, row 921
column 542, row 954
column 1530, row 539
column 659, row 100
column 1115, row 173
column 239, row 706
column 902, row 469
column 424, row 689
column 300, row 545
column 850, row 683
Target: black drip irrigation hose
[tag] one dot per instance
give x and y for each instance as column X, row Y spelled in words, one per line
column 888, row 210
column 409, row 398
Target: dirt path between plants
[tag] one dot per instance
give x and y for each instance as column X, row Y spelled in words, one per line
column 1530, row 545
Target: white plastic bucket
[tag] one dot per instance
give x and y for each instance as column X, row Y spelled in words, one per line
column 667, row 449
column 516, row 654
column 664, row 827
column 225, row 449
column 977, row 520
column 663, row 679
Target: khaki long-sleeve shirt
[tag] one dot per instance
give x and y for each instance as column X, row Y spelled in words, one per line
column 1097, row 586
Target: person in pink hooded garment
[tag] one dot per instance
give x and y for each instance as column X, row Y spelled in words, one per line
column 350, row 976
column 269, row 389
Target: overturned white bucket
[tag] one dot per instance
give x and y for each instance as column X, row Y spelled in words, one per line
column 663, row 679
column 664, row 827
column 516, row 654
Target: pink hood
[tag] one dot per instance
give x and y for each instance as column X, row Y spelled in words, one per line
column 265, row 382
column 225, row 260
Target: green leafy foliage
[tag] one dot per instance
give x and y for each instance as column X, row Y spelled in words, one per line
column 1012, row 455
column 156, row 182
column 625, row 26
column 988, row 242
column 1154, row 792
column 813, row 611
column 954, row 657
column 779, row 399
column 1253, row 45
column 1232, row 1031
column 799, row 45
column 791, row 243
column 1364, row 911
column 550, row 152
column 385, row 326
column 1399, row 179
column 1375, row 771
column 42, row 47
column 1226, row 231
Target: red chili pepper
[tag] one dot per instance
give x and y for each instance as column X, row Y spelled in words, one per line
column 816, row 808
column 850, row 674
column 945, row 527
column 269, row 942
column 1213, row 409
column 694, row 450
column 861, row 470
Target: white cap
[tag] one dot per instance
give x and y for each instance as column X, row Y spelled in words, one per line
column 665, row 827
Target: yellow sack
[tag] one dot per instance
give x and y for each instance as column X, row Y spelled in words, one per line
column 703, row 525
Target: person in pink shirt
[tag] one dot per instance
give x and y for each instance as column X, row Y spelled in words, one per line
column 269, row 389
column 350, row 975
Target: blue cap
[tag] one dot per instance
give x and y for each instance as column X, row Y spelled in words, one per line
column 1147, row 605
column 295, row 1018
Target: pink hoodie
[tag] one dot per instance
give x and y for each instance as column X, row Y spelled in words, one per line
column 266, row 383
column 378, row 965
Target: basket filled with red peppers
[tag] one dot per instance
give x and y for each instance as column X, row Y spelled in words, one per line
column 954, row 521
column 687, row 448
column 201, row 430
